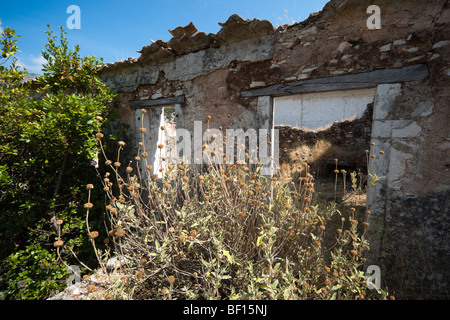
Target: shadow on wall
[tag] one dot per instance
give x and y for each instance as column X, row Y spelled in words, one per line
column 345, row 141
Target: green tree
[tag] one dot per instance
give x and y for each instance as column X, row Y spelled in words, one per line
column 47, row 144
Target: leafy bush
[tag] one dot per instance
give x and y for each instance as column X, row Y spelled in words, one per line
column 227, row 232
column 46, row 147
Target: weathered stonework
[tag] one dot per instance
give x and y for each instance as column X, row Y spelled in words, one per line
column 409, row 121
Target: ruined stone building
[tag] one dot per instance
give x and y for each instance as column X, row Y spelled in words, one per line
column 332, row 79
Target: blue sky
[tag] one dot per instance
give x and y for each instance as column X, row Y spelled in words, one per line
column 115, row 30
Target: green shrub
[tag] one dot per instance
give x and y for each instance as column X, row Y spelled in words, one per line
column 46, row 147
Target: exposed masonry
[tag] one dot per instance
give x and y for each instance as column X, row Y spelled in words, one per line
column 235, row 75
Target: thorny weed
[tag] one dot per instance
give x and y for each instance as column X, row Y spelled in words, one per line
column 226, row 232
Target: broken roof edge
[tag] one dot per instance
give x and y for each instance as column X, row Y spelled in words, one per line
column 188, row 39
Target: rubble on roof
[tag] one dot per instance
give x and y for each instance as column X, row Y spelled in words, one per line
column 188, row 39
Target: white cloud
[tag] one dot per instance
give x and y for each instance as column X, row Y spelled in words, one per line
column 32, row 64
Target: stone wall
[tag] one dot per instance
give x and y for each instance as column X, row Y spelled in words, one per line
column 209, row 74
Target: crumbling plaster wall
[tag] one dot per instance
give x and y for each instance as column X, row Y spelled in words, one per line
column 410, row 206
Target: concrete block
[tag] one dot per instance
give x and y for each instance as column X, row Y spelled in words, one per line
column 411, row 130
column 384, row 99
column 381, row 129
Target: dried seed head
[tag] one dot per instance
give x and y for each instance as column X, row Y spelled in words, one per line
column 120, row 233
column 117, row 164
column 108, row 162
column 149, row 168
column 99, row 118
column 160, row 146
column 93, row 234
column 193, row 233
column 144, row 154
column 144, row 111
column 200, row 177
column 99, row 135
column 88, row 205
column 143, row 130
column 171, row 279
column 59, row 222
column 163, row 128
column 58, row 243
column 129, row 169
column 142, row 262
column 354, row 252
column 121, row 143
column 91, row 288
column 185, row 179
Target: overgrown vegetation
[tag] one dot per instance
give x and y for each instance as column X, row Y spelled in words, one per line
column 46, row 148
column 227, row 232
column 199, row 232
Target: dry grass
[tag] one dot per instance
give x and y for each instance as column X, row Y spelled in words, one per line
column 321, row 153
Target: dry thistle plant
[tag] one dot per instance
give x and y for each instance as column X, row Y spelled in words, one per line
column 227, row 232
